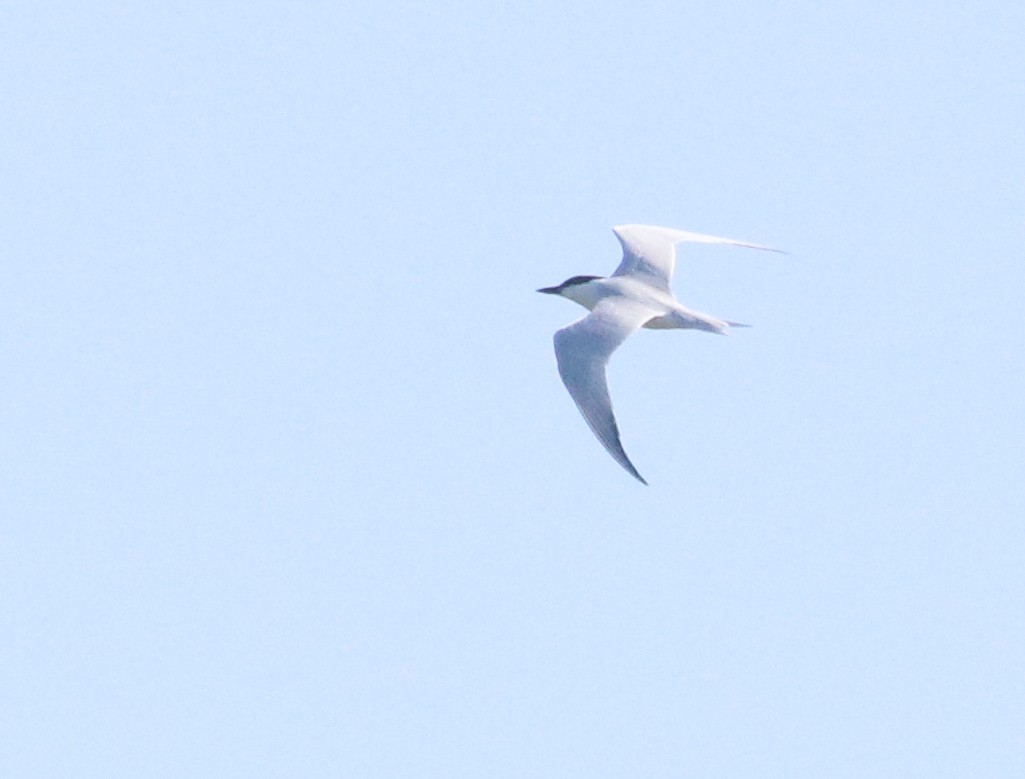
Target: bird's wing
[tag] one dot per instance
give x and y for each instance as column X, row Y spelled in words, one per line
column 583, row 349
column 650, row 252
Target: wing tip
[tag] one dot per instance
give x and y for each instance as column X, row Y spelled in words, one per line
column 759, row 246
column 620, row 456
column 683, row 236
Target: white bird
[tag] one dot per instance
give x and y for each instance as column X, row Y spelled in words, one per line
column 636, row 295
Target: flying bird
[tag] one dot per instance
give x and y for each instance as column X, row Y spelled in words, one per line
column 636, row 295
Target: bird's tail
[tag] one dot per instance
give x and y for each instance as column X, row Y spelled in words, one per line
column 735, row 324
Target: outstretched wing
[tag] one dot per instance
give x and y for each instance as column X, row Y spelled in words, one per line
column 650, row 252
column 583, row 349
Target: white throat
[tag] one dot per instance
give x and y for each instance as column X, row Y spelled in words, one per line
column 587, row 294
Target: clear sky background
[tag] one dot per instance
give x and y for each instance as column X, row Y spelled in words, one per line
column 290, row 486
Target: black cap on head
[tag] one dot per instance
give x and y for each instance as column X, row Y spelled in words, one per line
column 570, row 282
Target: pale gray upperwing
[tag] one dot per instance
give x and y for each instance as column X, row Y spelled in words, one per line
column 649, row 253
column 583, row 350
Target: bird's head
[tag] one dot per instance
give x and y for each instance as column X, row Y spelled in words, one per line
column 574, row 288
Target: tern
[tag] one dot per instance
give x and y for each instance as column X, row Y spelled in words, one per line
column 636, row 295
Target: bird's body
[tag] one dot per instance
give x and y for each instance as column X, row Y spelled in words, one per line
column 672, row 314
column 636, row 295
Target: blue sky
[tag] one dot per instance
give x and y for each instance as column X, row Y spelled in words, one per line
column 291, row 486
